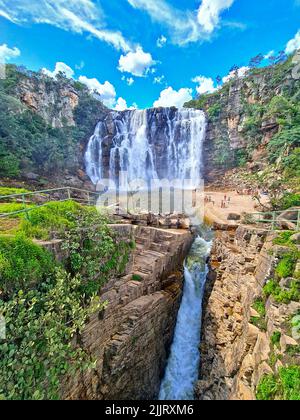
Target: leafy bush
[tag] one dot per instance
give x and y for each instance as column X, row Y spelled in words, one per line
column 287, row 264
column 284, row 386
column 39, row 349
column 283, row 238
column 288, row 201
column 275, row 339
column 22, row 264
column 214, row 111
column 273, row 289
column 260, row 307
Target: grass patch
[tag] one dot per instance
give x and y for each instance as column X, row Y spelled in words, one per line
column 4, row 191
column 136, row 277
column 22, row 264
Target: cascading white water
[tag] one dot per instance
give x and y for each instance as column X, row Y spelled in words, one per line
column 148, row 144
column 182, row 369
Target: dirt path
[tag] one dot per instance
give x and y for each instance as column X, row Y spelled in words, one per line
column 238, row 204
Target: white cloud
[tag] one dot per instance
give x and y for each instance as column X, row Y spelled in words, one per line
column 60, row 68
column 205, row 84
column 159, row 80
column 269, row 55
column 128, row 80
column 106, row 90
column 242, row 72
column 209, row 13
column 7, row 53
column 79, row 16
column 80, row 66
column 293, row 44
column 184, row 25
column 136, row 62
column 170, row 97
column 161, row 42
column 121, row 105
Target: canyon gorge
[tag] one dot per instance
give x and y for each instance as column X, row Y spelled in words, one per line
column 191, row 315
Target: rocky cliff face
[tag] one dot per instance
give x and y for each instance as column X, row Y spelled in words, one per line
column 240, row 124
column 236, row 349
column 131, row 338
column 54, row 102
column 45, row 126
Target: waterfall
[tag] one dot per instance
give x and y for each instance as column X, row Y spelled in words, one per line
column 148, row 144
column 183, row 365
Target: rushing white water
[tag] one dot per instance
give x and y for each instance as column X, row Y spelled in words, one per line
column 148, row 144
column 182, row 369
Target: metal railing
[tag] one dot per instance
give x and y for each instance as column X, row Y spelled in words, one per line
column 276, row 220
column 35, row 199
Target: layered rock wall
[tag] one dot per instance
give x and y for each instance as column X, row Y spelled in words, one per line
column 131, row 338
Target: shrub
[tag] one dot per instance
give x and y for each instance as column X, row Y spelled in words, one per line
column 136, row 277
column 40, row 347
column 289, row 200
column 260, row 306
column 284, row 386
column 283, row 238
column 22, row 264
column 287, row 265
column 273, row 289
column 275, row 339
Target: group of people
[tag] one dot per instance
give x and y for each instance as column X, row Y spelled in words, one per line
column 248, row 191
column 225, row 202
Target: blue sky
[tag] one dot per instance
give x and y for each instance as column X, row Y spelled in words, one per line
column 145, row 52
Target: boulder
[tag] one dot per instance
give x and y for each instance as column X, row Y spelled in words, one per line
column 296, row 238
column 31, row 176
column 234, row 216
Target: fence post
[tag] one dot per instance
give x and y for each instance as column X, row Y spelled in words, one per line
column 89, row 201
column 274, row 220
column 69, row 194
column 25, row 207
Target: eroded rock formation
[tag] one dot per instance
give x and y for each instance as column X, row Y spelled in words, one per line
column 131, row 338
column 236, row 353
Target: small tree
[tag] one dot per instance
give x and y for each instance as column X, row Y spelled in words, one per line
column 256, row 61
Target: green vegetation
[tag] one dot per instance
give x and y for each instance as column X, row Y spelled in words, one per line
column 287, row 201
column 27, row 141
column 214, row 111
column 260, row 307
column 284, row 386
column 41, row 325
column 22, row 264
column 136, row 277
column 259, row 322
column 46, row 304
column 284, row 238
column 4, row 191
column 273, row 289
column 275, row 339
column 287, row 264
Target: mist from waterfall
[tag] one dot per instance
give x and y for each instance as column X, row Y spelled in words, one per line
column 131, row 141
